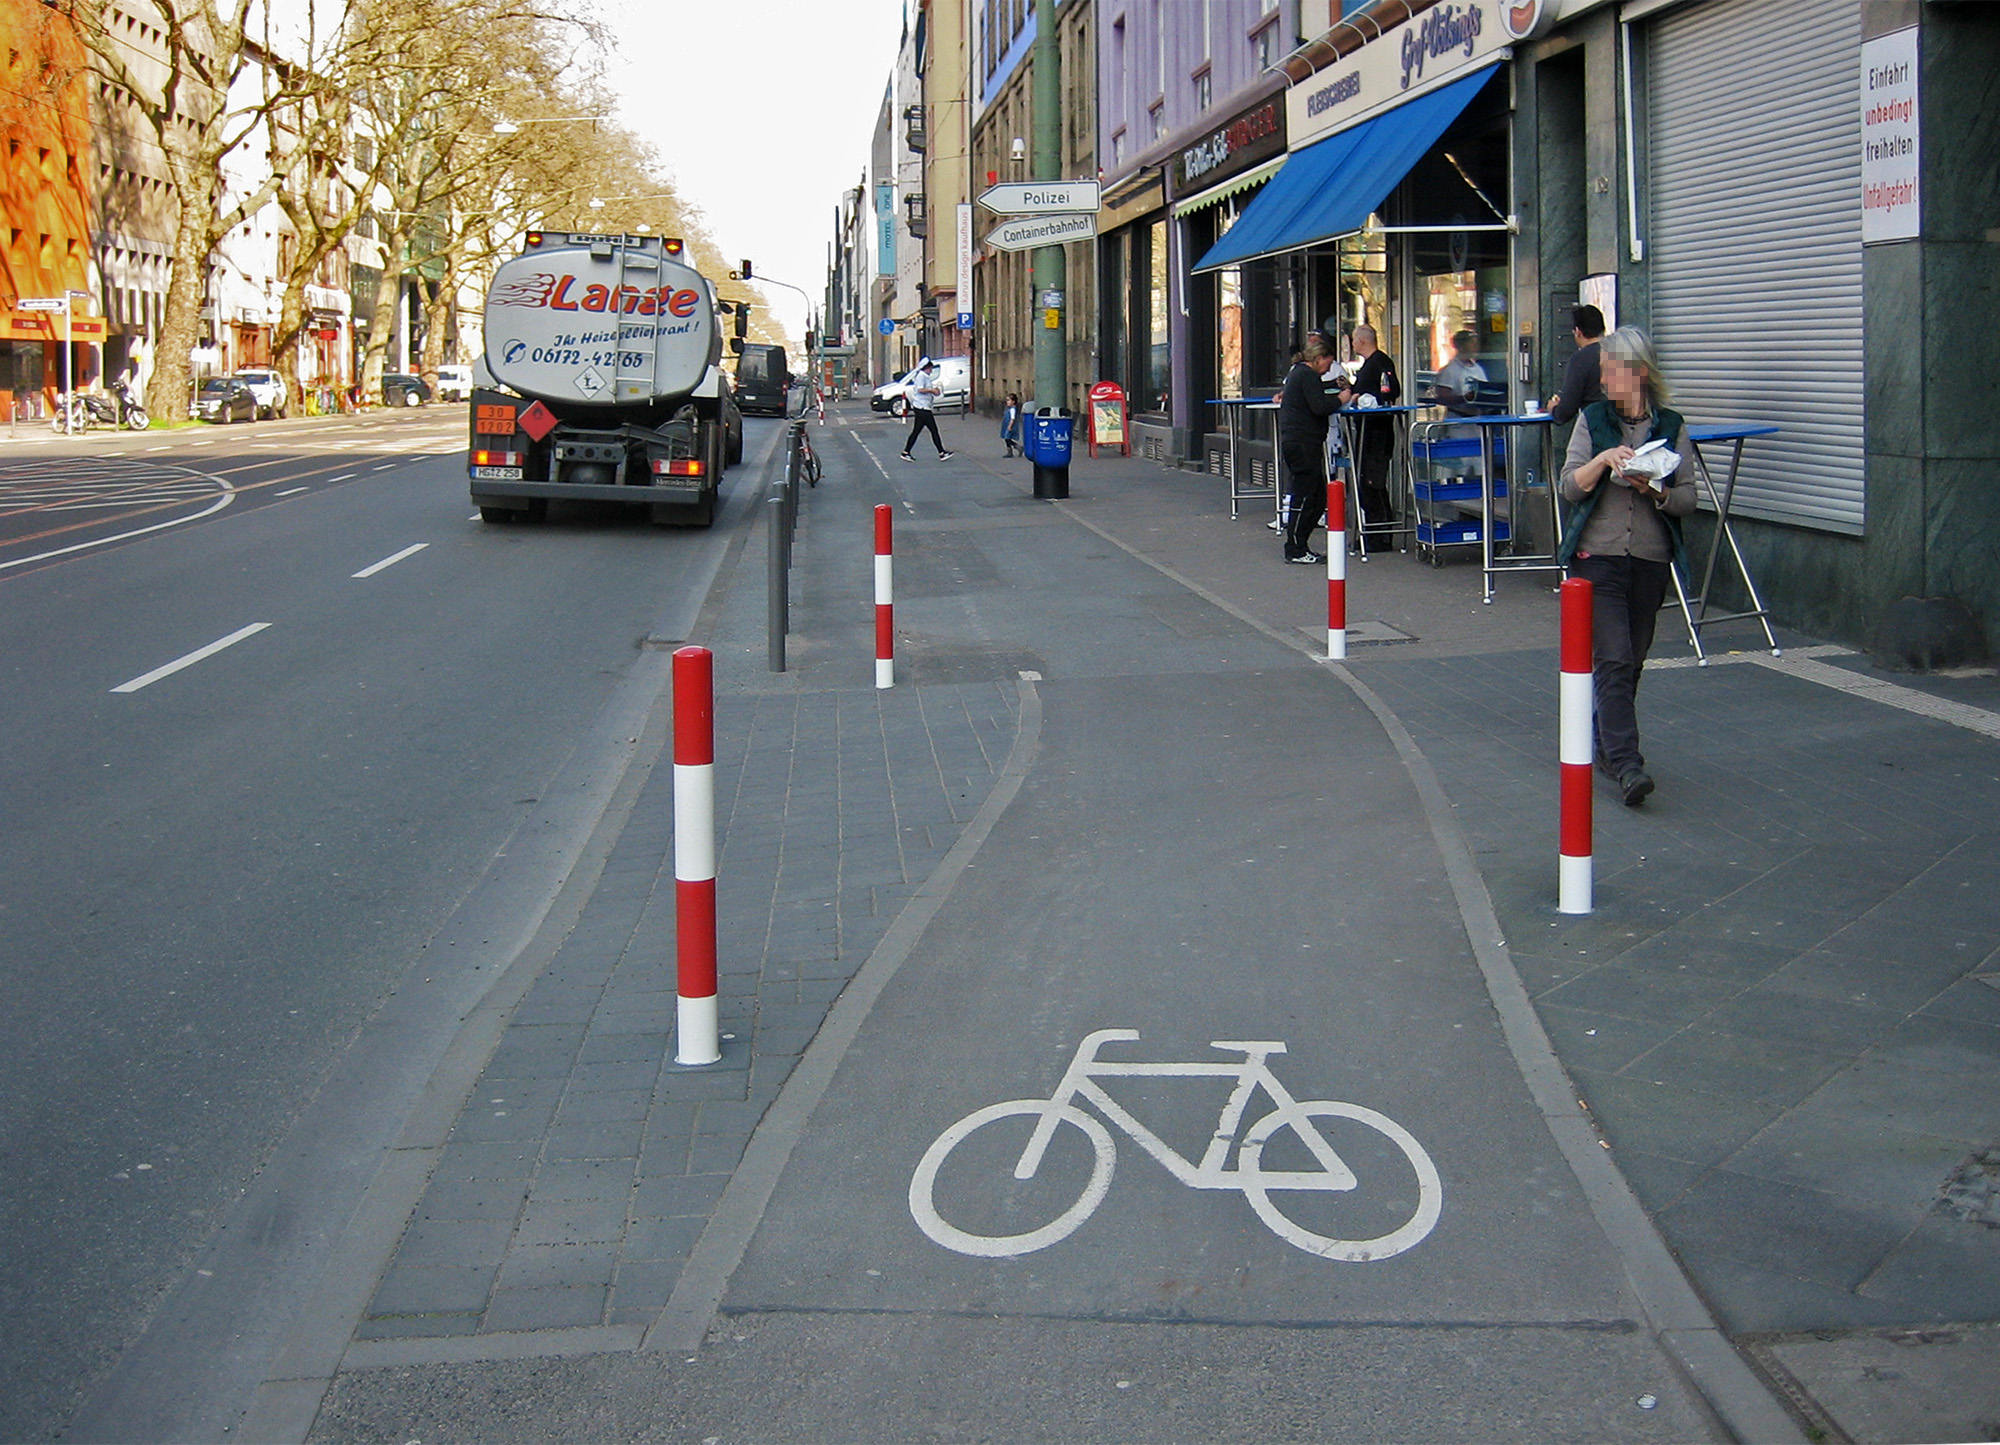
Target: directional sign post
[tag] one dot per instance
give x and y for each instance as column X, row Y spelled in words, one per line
column 59, row 303
column 1024, row 233
column 1041, row 198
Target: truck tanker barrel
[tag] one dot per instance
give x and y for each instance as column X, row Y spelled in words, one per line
column 604, row 351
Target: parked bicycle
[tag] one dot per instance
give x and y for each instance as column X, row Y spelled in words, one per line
column 1326, row 1171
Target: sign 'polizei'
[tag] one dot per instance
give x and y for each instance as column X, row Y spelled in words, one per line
column 1042, row 198
column 1024, row 233
column 1420, row 55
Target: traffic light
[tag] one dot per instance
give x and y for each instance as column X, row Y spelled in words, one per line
column 742, row 319
column 746, row 270
column 810, row 338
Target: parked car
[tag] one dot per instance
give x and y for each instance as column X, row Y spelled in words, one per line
column 454, row 383
column 269, row 389
column 763, row 379
column 225, row 399
column 732, row 423
column 400, row 388
column 954, row 386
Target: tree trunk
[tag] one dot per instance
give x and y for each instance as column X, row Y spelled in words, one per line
column 437, row 311
column 385, row 313
column 168, row 393
column 291, row 326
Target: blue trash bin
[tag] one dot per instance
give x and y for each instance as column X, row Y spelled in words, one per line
column 1048, row 447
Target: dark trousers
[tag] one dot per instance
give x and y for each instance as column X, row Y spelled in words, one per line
column 1305, row 491
column 1378, row 449
column 1625, row 598
column 921, row 421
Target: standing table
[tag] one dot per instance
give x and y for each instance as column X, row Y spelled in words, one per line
column 1401, row 483
column 1235, row 412
column 1695, row 609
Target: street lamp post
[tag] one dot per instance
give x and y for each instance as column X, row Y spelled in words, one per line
column 1050, row 263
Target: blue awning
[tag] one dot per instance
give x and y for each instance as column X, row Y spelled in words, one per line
column 1331, row 187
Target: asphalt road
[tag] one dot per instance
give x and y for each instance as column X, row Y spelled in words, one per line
column 212, row 877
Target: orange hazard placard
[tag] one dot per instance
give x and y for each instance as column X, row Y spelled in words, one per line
column 495, row 421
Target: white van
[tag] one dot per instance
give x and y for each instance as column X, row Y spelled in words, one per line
column 954, row 381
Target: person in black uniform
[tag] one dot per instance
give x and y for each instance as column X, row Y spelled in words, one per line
column 1376, row 379
column 1582, row 383
column 1303, row 409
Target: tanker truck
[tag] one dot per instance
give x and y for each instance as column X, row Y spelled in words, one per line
column 604, row 352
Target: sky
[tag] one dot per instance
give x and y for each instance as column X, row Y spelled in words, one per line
column 761, row 111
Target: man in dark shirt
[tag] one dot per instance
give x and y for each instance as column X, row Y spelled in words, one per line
column 1581, row 384
column 1377, row 441
column 1303, row 409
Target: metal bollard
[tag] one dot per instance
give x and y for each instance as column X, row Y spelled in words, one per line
column 777, row 589
column 1573, row 861
column 697, row 1041
column 1336, row 569
column 885, row 599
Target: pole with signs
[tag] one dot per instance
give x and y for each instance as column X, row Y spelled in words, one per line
column 1051, row 272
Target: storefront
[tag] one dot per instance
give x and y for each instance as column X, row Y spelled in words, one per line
column 1394, row 208
column 31, row 360
column 1233, row 316
column 1137, row 302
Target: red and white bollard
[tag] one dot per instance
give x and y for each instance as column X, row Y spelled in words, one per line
column 1336, row 569
column 885, row 610
column 1573, row 877
column 694, row 855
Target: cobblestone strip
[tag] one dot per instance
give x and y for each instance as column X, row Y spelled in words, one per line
column 586, row 1164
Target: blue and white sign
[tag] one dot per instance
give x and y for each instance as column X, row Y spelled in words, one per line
column 886, row 326
column 965, row 321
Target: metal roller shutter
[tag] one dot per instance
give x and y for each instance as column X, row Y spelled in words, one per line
column 1755, row 250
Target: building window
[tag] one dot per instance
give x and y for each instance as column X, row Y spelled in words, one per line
column 1157, row 119
column 1266, row 41
column 1118, row 148
column 1204, row 91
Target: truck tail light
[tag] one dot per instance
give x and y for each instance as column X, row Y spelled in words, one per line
column 499, row 459
column 679, row 467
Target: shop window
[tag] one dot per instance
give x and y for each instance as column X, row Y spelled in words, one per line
column 1159, row 339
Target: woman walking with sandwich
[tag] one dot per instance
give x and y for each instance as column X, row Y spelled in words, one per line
column 1624, row 532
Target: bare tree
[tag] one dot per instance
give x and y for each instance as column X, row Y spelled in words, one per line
column 203, row 84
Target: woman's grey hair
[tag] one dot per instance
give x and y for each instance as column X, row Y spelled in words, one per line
column 1633, row 347
column 1316, row 348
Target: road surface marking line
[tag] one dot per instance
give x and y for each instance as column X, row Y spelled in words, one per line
column 343, row 477
column 291, row 491
column 387, row 466
column 149, row 678
column 159, row 449
column 392, row 559
column 228, row 496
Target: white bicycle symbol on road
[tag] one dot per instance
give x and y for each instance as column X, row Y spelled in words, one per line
column 1258, row 1184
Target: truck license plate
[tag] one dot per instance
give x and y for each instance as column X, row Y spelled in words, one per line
column 496, row 474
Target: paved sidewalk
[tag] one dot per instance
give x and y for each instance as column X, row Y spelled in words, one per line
column 1783, row 1014
column 1785, row 1011
column 587, row 1163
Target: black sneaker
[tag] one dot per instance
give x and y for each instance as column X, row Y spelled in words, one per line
column 946, row 456
column 1636, row 785
column 1306, row 559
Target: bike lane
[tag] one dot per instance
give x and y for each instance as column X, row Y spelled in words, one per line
column 1227, row 853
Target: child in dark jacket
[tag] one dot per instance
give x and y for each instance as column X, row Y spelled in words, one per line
column 1010, row 422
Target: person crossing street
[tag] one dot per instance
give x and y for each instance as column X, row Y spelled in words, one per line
column 924, row 393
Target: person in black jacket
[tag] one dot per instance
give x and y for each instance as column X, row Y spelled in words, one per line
column 1582, row 383
column 1377, row 380
column 1303, row 409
